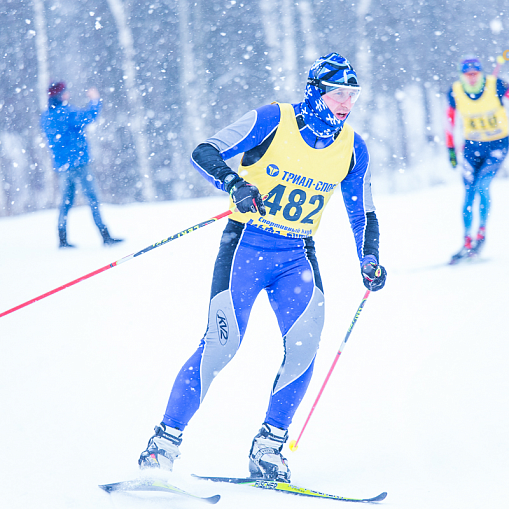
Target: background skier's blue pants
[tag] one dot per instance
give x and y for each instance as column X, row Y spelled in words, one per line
column 482, row 160
column 248, row 262
column 67, row 181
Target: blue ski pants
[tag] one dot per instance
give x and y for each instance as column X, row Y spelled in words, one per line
column 482, row 160
column 248, row 262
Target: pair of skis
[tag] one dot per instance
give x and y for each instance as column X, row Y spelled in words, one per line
column 282, row 487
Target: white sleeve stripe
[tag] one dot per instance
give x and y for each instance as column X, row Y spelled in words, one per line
column 247, row 134
column 235, row 133
column 270, row 134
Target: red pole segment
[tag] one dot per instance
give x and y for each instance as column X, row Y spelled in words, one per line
column 122, row 260
column 294, row 443
column 44, row 295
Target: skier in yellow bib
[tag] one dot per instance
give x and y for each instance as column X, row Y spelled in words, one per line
column 296, row 155
column 478, row 99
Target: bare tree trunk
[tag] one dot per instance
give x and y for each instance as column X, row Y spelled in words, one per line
column 194, row 87
column 307, row 20
column 3, row 194
column 197, row 27
column 363, row 66
column 191, row 91
column 289, row 56
column 430, row 137
column 49, row 197
column 15, row 179
column 41, row 43
column 137, row 117
column 403, row 156
column 271, row 27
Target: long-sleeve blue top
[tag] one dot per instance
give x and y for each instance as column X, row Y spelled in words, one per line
column 252, row 135
column 64, row 126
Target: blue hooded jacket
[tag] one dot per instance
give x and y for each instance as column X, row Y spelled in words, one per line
column 64, row 126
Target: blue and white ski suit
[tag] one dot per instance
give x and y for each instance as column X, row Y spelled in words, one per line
column 252, row 259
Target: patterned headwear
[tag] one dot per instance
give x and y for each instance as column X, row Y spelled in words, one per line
column 470, row 63
column 330, row 70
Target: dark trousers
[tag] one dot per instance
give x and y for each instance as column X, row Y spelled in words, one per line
column 67, row 181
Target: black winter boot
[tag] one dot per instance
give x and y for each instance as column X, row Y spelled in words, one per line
column 62, row 235
column 109, row 241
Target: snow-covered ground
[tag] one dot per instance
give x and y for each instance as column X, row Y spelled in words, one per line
column 417, row 406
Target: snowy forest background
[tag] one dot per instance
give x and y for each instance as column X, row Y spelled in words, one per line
column 173, row 72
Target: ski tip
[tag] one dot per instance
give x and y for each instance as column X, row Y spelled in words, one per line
column 108, row 488
column 293, row 445
column 213, row 500
column 379, row 498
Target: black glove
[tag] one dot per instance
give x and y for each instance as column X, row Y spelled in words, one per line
column 373, row 275
column 452, row 157
column 247, row 198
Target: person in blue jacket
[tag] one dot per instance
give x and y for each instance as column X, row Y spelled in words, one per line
column 64, row 126
column 294, row 157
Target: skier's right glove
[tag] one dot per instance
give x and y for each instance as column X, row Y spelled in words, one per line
column 247, row 198
column 373, row 275
column 452, row 157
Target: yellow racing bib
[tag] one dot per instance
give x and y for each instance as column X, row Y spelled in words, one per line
column 297, row 179
column 484, row 119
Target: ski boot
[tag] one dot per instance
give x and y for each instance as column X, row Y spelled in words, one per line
column 265, row 458
column 162, row 449
column 480, row 240
column 108, row 240
column 465, row 252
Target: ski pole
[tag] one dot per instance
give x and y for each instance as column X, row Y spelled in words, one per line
column 122, row 260
column 501, row 59
column 294, row 443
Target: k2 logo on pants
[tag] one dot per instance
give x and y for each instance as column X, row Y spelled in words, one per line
column 222, row 327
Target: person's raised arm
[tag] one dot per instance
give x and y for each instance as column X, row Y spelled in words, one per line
column 89, row 114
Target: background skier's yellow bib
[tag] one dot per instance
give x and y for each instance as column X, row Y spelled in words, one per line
column 484, row 119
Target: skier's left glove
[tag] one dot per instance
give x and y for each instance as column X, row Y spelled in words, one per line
column 373, row 275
